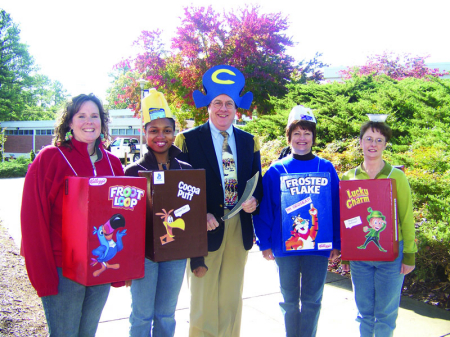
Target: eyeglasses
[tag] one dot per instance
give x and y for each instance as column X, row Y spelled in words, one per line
column 228, row 105
column 378, row 141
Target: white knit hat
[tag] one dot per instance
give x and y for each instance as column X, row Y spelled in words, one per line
column 299, row 113
column 377, row 117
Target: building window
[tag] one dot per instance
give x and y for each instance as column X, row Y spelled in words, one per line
column 137, row 132
column 42, row 132
column 122, row 131
column 115, row 132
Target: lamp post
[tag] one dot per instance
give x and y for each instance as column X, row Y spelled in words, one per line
column 142, row 83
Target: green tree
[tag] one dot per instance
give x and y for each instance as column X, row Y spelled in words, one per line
column 16, row 66
column 253, row 42
column 24, row 93
column 397, row 67
column 118, row 96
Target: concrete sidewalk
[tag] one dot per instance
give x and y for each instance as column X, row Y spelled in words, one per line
column 262, row 316
column 261, row 313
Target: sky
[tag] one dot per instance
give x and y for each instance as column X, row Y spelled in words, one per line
column 79, row 42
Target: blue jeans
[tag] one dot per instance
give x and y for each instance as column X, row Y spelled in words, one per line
column 76, row 309
column 154, row 299
column 377, row 287
column 301, row 278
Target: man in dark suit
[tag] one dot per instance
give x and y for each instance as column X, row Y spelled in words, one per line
column 230, row 157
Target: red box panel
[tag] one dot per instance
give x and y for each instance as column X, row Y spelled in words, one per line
column 369, row 230
column 103, row 229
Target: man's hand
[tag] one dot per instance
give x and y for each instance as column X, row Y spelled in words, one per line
column 268, row 255
column 250, row 205
column 211, row 222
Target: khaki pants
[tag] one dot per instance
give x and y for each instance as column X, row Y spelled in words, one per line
column 216, row 299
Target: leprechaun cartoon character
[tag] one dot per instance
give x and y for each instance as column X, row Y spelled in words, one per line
column 377, row 224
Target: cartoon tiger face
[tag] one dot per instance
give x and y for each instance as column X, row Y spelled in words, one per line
column 300, row 225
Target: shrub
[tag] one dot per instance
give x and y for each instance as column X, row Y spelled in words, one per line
column 15, row 168
column 270, row 151
column 433, row 256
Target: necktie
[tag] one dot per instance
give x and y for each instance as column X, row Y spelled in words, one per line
column 229, row 173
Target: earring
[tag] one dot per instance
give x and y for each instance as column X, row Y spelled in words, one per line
column 102, row 137
column 69, row 135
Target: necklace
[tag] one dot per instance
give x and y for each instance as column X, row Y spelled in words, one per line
column 164, row 165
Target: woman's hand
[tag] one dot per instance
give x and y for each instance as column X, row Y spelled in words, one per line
column 345, row 267
column 405, row 269
column 268, row 255
column 200, row 271
column 128, row 283
column 334, row 254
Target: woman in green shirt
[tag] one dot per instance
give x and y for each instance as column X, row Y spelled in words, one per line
column 377, row 285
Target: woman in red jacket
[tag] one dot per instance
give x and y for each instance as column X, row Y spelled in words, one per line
column 71, row 309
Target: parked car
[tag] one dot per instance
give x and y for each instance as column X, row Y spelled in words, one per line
column 130, row 146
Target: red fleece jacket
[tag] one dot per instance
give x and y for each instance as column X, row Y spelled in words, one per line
column 41, row 214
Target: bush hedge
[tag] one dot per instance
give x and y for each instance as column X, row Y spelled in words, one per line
column 419, row 115
column 15, row 168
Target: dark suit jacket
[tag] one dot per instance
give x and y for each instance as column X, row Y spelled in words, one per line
column 198, row 150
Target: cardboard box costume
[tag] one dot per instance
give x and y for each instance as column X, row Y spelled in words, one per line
column 103, row 229
column 369, row 228
column 306, row 212
column 176, row 214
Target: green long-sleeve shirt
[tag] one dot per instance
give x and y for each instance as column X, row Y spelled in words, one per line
column 404, row 206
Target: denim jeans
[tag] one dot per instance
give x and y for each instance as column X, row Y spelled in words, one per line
column 377, row 287
column 301, row 278
column 76, row 309
column 154, row 299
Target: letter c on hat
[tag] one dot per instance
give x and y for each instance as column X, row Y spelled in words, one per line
column 217, row 72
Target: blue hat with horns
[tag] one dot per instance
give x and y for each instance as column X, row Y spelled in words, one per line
column 223, row 80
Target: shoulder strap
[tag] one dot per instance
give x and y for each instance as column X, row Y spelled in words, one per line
column 107, row 156
column 284, row 167
column 391, row 172
column 67, row 161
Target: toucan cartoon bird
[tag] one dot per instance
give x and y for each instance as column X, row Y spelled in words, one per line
column 108, row 247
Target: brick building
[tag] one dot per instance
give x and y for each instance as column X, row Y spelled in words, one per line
column 24, row 136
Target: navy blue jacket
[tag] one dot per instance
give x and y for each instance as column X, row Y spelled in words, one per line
column 198, row 150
